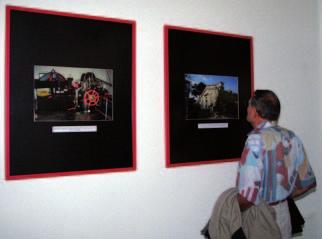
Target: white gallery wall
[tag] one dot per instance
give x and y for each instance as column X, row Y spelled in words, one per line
column 154, row 202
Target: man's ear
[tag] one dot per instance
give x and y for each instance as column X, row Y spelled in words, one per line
column 254, row 112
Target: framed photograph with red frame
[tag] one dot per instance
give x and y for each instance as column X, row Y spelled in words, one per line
column 70, row 94
column 208, row 82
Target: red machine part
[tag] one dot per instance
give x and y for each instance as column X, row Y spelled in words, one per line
column 91, row 98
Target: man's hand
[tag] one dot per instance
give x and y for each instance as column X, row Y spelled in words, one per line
column 243, row 203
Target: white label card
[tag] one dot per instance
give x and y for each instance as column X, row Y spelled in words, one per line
column 74, row 129
column 212, row 125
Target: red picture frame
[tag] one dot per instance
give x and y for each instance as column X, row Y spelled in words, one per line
column 204, row 52
column 35, row 149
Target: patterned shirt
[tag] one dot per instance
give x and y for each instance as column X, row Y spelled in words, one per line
column 272, row 165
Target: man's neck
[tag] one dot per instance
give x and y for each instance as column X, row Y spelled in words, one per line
column 257, row 122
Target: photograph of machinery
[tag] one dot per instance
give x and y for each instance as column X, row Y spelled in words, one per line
column 72, row 94
column 211, row 97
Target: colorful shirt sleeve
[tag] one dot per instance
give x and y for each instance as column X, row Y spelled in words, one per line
column 305, row 177
column 250, row 169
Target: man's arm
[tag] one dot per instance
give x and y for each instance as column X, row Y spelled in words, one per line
column 249, row 173
column 300, row 191
column 305, row 179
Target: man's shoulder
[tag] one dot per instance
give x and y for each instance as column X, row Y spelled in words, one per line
column 285, row 132
column 275, row 131
column 281, row 134
column 278, row 130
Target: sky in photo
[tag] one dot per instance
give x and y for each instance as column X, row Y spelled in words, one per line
column 230, row 82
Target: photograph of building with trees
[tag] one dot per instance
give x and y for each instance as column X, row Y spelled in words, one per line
column 211, row 97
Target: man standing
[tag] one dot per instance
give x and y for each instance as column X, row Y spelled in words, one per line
column 273, row 164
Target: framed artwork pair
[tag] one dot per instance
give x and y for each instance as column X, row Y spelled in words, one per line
column 70, row 94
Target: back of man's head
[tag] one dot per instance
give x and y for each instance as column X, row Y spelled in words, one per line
column 266, row 104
